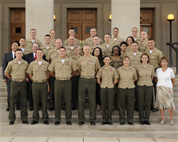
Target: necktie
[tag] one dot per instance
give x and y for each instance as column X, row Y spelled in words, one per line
column 35, row 57
column 14, row 56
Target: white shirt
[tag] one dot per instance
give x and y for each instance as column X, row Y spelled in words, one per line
column 134, row 54
column 22, row 49
column 107, row 46
column 47, row 47
column 115, row 39
column 63, row 60
column 151, row 51
column 40, row 62
column 19, row 62
column 13, row 54
column 58, row 51
column 72, row 48
column 33, row 41
column 164, row 78
column 135, row 39
column 33, row 54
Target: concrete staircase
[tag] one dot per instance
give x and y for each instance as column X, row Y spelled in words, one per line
column 62, row 130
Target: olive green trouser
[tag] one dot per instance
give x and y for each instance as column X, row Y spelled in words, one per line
column 40, row 92
column 88, row 85
column 144, row 96
column 107, row 96
column 18, row 88
column 126, row 99
column 62, row 89
column 51, row 85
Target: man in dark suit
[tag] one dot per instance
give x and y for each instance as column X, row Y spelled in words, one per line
column 30, row 58
column 7, row 58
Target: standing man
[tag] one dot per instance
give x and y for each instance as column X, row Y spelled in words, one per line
column 155, row 59
column 7, row 58
column 39, row 74
column 96, row 43
column 52, row 33
column 32, row 39
column 143, row 46
column 107, row 46
column 47, row 45
column 135, row 35
column 16, row 71
column 64, row 69
column 22, row 43
column 89, row 41
column 30, row 58
column 72, row 34
column 88, row 66
column 52, row 55
column 116, row 40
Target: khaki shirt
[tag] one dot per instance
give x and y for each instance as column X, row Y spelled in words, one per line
column 126, row 77
column 143, row 46
column 138, row 39
column 77, row 42
column 116, row 63
column 145, row 74
column 39, row 72
column 62, row 70
column 52, row 54
column 89, row 41
column 29, row 44
column 116, row 42
column 135, row 59
column 16, row 70
column 93, row 47
column 46, row 50
column 52, row 42
column 75, row 60
column 88, row 67
column 155, row 57
column 123, row 54
column 70, row 51
column 129, row 50
column 106, row 50
column 107, row 76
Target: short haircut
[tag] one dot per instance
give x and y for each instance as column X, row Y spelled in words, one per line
column 92, row 28
column 107, row 34
column 62, row 47
column 125, row 57
column 144, row 31
column 86, row 45
column 118, row 49
column 135, row 42
column 145, row 55
column 76, row 47
column 47, row 35
column 32, row 30
column 130, row 37
column 18, row 50
column 15, row 42
column 23, row 38
column 71, row 29
column 52, row 30
column 106, row 57
column 123, row 43
column 116, row 28
column 96, row 36
column 36, row 43
column 165, row 58
column 39, row 50
column 151, row 39
column 134, row 28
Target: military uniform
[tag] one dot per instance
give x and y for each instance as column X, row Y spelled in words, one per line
column 89, row 41
column 106, row 49
column 138, row 39
column 143, row 46
column 126, row 92
column 87, row 82
column 129, row 50
column 18, row 84
column 144, row 90
column 107, row 91
column 52, row 42
column 29, row 44
column 135, row 59
column 46, row 49
column 63, row 85
column 77, row 42
column 70, row 51
column 116, row 41
column 39, row 87
column 123, row 54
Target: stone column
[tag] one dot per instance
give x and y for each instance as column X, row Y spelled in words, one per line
column 39, row 15
column 125, row 16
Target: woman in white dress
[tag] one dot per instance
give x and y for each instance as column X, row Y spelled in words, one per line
column 165, row 79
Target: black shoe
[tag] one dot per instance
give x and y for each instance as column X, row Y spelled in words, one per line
column 147, row 123
column 34, row 122
column 110, row 123
column 136, row 109
column 92, row 123
column 46, row 122
column 73, row 108
column 17, row 108
column 130, row 123
column 25, row 122
column 155, row 110
column 63, row 108
column 40, row 109
column 7, row 109
column 51, row 109
column 142, row 123
column 31, row 109
column 80, row 123
column 57, row 123
column 68, row 123
column 122, row 123
column 11, row 123
column 103, row 123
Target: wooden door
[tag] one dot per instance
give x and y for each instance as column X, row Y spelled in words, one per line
column 17, row 24
column 81, row 20
column 146, row 21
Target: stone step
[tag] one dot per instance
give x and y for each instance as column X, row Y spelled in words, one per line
column 88, row 131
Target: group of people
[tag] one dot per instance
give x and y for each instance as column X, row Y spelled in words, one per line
column 115, row 75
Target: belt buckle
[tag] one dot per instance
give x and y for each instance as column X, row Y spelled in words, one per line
column 40, row 81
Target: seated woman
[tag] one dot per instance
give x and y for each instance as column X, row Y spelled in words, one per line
column 165, row 79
